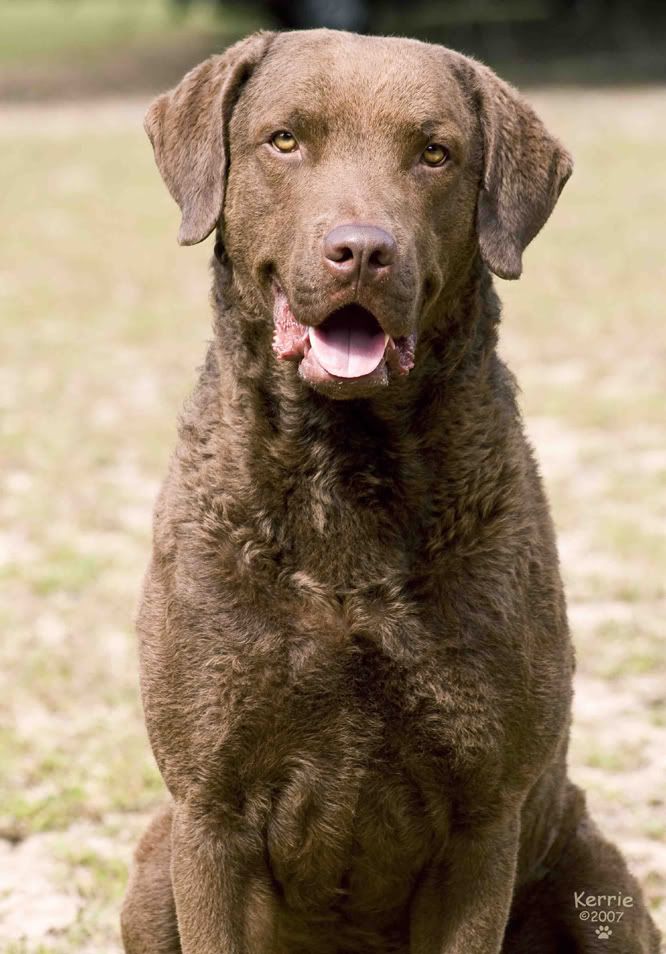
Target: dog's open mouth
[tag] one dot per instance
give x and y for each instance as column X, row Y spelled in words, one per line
column 350, row 344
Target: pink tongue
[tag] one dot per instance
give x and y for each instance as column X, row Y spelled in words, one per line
column 349, row 344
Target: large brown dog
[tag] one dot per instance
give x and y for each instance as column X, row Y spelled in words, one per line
column 355, row 661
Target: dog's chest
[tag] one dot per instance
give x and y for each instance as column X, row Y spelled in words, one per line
column 358, row 803
column 358, row 753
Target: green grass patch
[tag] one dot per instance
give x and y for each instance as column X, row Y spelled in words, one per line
column 621, row 758
column 66, row 570
column 99, row 877
column 57, row 29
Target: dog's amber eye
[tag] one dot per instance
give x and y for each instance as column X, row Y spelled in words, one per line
column 284, row 141
column 435, row 155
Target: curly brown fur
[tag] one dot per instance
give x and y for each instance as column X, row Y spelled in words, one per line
column 355, row 661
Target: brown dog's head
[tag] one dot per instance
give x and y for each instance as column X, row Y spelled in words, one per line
column 354, row 180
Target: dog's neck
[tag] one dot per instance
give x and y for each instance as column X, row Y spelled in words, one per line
column 291, row 469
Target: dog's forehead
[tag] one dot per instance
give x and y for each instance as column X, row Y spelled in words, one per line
column 346, row 76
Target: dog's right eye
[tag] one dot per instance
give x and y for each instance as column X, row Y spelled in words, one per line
column 435, row 155
column 284, row 141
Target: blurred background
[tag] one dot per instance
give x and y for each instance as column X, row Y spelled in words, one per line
column 64, row 49
column 103, row 319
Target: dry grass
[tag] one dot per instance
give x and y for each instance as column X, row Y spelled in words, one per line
column 103, row 321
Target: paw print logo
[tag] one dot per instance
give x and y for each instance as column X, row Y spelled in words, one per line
column 603, row 933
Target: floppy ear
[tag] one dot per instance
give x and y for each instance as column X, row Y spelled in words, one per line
column 524, row 171
column 188, row 130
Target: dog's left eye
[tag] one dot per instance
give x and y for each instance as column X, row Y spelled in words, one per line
column 284, row 141
column 435, row 155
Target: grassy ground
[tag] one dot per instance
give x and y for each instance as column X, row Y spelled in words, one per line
column 65, row 49
column 103, row 321
column 34, row 29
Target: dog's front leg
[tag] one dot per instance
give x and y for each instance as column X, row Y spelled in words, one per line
column 224, row 903
column 461, row 905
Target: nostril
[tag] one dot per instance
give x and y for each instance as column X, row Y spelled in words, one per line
column 380, row 258
column 339, row 253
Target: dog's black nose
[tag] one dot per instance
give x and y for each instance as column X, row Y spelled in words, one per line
column 362, row 252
